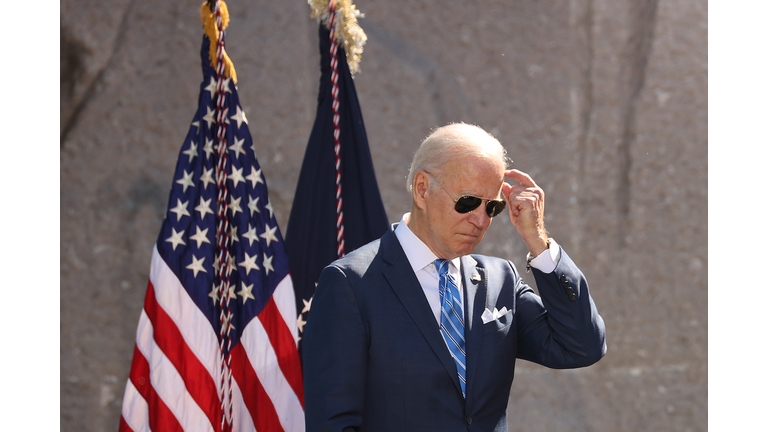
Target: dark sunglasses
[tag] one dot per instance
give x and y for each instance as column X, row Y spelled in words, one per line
column 467, row 203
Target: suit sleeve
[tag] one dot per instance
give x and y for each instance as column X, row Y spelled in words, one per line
column 334, row 353
column 562, row 328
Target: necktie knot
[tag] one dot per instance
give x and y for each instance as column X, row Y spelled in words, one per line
column 442, row 270
column 442, row 266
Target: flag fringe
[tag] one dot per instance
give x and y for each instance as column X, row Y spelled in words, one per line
column 348, row 31
column 212, row 31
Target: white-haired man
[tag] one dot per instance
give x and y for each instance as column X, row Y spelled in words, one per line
column 412, row 332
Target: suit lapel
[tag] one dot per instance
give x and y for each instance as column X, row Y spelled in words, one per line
column 475, row 283
column 406, row 286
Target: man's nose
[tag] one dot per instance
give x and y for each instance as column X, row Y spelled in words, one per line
column 479, row 218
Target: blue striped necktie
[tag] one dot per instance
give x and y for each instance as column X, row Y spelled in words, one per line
column 452, row 320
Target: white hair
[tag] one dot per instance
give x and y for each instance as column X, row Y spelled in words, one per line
column 451, row 142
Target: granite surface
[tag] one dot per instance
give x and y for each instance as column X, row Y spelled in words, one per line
column 603, row 102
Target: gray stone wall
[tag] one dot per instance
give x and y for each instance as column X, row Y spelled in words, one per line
column 603, row 102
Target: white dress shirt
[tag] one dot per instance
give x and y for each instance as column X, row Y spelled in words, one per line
column 422, row 260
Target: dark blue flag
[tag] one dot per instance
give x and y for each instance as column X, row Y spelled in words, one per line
column 312, row 236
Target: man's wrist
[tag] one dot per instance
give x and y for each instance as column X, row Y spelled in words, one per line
column 538, row 245
column 546, row 260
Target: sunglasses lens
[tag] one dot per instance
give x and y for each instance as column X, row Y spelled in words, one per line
column 494, row 208
column 466, row 204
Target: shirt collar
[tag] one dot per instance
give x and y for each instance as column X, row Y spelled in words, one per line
column 418, row 253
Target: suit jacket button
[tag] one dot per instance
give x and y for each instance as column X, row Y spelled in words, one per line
column 572, row 297
column 469, row 420
column 563, row 280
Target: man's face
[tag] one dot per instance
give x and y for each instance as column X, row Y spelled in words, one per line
column 450, row 233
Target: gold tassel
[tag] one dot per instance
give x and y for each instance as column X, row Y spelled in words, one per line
column 212, row 31
column 349, row 33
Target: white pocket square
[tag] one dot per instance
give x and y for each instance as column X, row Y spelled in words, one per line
column 489, row 316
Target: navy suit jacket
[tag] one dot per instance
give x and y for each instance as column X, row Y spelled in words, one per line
column 374, row 358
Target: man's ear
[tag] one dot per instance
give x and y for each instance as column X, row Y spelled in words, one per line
column 420, row 186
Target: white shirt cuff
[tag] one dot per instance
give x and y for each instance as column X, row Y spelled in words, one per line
column 546, row 262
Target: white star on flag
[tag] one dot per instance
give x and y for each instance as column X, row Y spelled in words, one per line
column 236, row 176
column 208, row 148
column 200, row 236
column 300, row 323
column 207, row 178
column 245, row 292
column 269, row 234
column 197, row 265
column 240, row 117
column 267, row 263
column 176, row 238
column 209, row 117
column 211, row 87
column 249, row 263
column 307, row 305
column 214, row 294
column 237, row 147
column 232, row 266
column 186, row 180
column 253, row 205
column 233, row 234
column 234, row 205
column 191, row 151
column 255, row 177
column 204, row 207
column 180, row 209
column 251, row 235
column 225, row 85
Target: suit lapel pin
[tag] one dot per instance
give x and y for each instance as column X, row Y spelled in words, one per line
column 476, row 277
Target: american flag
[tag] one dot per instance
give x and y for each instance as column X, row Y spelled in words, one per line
column 177, row 381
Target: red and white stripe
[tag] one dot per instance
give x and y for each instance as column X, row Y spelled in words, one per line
column 175, row 382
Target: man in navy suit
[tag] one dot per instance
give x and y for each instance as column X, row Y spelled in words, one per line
column 413, row 333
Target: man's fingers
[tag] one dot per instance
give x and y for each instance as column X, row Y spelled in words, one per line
column 523, row 178
column 522, row 198
column 522, row 203
column 526, row 205
column 520, row 191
